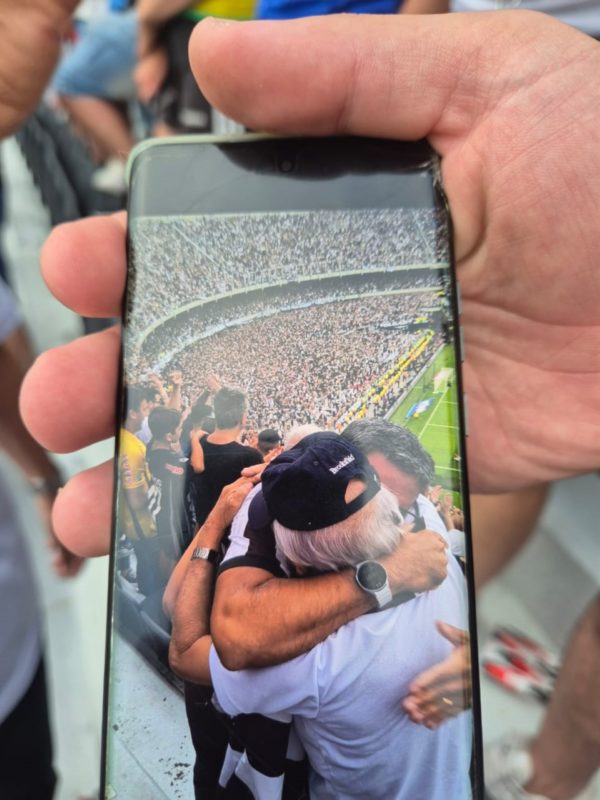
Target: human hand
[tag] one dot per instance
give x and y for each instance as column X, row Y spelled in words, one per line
column 419, row 563
column 230, row 501
column 434, row 493
column 31, row 36
column 176, row 377
column 156, row 381
column 213, row 383
column 254, row 472
column 446, row 503
column 517, row 126
column 444, row 690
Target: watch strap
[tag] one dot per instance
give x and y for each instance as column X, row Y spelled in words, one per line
column 383, row 596
column 205, row 554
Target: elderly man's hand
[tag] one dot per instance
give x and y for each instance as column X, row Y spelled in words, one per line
column 230, row 501
column 444, row 690
column 512, row 102
column 30, row 34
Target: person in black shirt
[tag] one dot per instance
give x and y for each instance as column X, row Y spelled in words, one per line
column 171, row 509
column 218, row 459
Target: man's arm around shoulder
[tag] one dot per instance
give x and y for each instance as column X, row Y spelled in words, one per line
column 259, row 620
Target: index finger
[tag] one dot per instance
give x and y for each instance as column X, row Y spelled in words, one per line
column 254, row 472
column 84, row 264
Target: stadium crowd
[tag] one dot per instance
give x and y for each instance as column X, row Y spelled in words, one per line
column 236, row 252
column 330, row 354
column 208, row 318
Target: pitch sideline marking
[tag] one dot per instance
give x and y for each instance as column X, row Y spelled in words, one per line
column 432, row 414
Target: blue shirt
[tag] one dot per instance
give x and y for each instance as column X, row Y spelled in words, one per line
column 291, row 9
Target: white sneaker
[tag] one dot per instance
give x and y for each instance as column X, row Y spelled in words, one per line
column 110, row 178
column 508, row 767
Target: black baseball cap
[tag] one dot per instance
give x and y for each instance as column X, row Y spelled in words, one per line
column 304, row 488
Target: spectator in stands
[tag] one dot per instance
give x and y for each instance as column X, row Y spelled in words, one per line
column 218, row 459
column 94, row 83
column 135, row 518
column 268, row 440
column 163, row 73
column 168, row 502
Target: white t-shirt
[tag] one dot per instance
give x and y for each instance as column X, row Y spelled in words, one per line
column 20, row 640
column 345, row 700
column 581, row 14
column 144, row 434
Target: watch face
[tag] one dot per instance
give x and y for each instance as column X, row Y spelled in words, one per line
column 372, row 576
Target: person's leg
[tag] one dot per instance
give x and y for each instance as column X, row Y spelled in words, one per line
column 26, row 747
column 566, row 752
column 501, row 525
column 209, row 738
column 102, row 122
column 97, row 72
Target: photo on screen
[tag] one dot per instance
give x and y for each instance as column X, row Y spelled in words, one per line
column 318, row 346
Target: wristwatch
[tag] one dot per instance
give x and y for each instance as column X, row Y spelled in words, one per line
column 205, row 554
column 373, row 579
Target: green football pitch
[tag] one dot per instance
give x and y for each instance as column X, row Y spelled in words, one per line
column 437, row 428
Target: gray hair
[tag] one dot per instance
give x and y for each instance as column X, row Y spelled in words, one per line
column 372, row 532
column 297, row 433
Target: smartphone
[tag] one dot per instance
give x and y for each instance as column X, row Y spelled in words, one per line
column 296, row 305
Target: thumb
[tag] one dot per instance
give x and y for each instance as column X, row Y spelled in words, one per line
column 402, row 77
column 456, row 636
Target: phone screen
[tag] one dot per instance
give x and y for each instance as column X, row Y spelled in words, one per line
column 290, row 304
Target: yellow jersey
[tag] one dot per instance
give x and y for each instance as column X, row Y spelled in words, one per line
column 133, row 474
column 227, row 9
